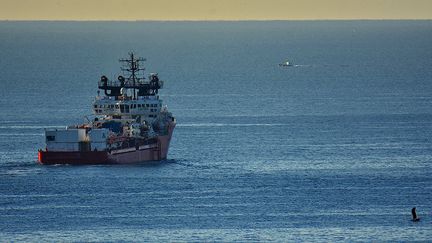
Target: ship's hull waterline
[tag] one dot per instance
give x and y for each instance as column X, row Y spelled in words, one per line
column 151, row 152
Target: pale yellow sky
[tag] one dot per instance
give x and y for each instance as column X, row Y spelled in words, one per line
column 213, row 9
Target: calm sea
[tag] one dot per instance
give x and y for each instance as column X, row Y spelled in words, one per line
column 337, row 147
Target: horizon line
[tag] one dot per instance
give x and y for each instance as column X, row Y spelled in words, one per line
column 205, row 20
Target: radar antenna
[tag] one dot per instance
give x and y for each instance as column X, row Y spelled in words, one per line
column 133, row 70
column 132, row 66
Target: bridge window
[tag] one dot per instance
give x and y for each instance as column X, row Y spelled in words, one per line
column 124, row 108
column 50, row 138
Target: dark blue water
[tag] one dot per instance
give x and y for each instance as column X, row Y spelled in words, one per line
column 337, row 147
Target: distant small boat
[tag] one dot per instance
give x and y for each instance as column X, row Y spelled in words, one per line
column 285, row 64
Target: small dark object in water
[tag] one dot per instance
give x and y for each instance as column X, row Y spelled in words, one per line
column 414, row 215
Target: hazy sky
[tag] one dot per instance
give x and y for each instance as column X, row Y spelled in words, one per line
column 213, row 9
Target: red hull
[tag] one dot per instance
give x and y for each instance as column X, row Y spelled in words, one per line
column 153, row 152
column 78, row 158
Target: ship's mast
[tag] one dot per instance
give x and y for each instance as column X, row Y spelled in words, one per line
column 135, row 80
column 132, row 66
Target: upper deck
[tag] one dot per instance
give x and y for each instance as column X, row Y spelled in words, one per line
column 131, row 94
column 147, row 106
column 132, row 79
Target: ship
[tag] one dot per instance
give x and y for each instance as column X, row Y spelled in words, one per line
column 285, row 64
column 130, row 123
